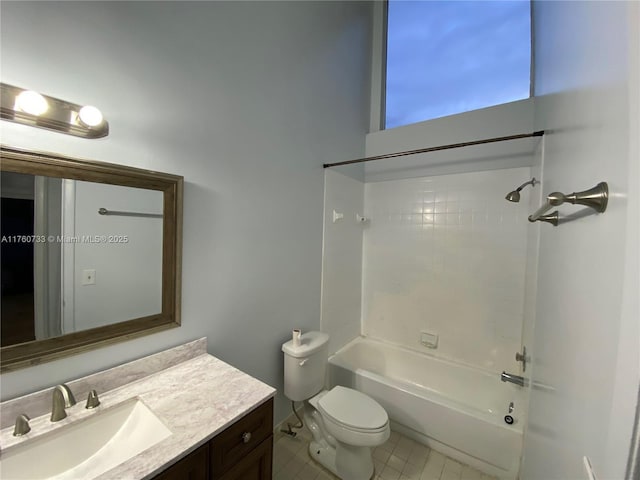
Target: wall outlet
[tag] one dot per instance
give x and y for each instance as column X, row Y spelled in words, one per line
column 429, row 340
column 89, row 277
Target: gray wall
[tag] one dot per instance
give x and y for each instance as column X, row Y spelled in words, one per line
column 246, row 100
column 587, row 322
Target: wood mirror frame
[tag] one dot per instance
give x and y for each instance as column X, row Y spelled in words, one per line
column 52, row 165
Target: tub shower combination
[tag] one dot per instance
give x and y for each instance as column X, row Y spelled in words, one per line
column 458, row 410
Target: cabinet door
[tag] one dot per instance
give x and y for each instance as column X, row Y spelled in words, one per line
column 255, row 466
column 194, row 466
column 232, row 446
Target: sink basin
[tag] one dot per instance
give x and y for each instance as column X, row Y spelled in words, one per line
column 86, row 448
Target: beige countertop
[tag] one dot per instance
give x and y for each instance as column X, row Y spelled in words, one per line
column 195, row 399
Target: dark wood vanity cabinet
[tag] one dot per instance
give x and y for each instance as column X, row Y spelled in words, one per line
column 243, row 451
column 255, row 466
column 238, row 452
column 194, row 466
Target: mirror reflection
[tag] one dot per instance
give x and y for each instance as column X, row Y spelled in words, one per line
column 69, row 266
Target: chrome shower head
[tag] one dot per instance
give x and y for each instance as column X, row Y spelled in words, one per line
column 515, row 195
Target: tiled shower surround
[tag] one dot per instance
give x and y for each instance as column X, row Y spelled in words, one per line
column 447, row 255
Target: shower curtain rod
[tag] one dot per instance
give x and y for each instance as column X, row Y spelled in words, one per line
column 436, row 149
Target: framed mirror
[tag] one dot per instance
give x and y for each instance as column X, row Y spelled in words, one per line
column 90, row 254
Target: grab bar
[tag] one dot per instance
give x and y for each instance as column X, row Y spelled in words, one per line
column 596, row 198
column 537, row 215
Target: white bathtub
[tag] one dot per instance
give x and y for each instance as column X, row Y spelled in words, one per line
column 453, row 408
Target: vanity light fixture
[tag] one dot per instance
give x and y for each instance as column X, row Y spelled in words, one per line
column 32, row 108
column 31, row 102
column 90, row 116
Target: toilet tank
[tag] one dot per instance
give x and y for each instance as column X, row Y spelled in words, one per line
column 305, row 365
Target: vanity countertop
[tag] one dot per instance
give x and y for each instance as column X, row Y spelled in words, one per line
column 196, row 400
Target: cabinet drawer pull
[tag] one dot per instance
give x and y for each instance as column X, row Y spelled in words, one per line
column 246, row 437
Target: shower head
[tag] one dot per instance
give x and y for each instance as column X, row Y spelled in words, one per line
column 515, row 195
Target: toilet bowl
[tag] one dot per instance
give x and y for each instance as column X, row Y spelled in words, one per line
column 345, row 423
column 353, row 417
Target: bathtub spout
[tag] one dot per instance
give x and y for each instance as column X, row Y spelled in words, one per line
column 517, row 379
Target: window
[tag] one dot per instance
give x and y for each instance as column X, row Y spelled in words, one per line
column 447, row 56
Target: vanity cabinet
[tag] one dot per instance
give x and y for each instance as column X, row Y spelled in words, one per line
column 194, row 466
column 243, row 451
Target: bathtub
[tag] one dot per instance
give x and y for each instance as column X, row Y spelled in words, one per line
column 453, row 408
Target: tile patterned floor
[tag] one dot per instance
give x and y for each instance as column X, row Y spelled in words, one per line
column 400, row 458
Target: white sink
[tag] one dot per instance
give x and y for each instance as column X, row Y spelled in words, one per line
column 86, row 448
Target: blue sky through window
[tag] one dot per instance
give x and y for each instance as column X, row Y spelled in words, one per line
column 449, row 56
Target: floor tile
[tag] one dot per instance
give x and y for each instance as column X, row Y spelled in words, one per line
column 381, row 454
column 388, row 446
column 309, row 472
column 292, row 468
column 403, row 448
column 394, row 437
column 412, row 472
column 449, row 476
column 418, row 456
column 452, row 467
column 397, row 463
column 470, row 473
column 390, row 474
column 324, row 475
column 400, row 458
column 427, row 475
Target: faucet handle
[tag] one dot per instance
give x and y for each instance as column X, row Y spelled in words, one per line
column 92, row 400
column 523, row 357
column 22, row 425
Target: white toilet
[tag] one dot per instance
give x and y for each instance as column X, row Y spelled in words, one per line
column 345, row 423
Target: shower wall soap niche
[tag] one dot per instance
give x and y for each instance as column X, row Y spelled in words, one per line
column 428, row 339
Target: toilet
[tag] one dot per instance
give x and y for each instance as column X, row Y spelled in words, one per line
column 345, row 423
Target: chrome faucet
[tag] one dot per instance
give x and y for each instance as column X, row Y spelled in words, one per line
column 62, row 398
column 22, row 425
column 517, row 379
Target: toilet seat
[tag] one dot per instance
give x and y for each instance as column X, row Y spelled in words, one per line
column 353, row 410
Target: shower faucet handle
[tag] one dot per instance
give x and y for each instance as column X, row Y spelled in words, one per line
column 522, row 357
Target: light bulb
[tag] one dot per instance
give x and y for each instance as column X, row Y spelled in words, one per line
column 90, row 116
column 31, row 102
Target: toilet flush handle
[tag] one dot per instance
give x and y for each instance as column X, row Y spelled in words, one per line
column 302, row 362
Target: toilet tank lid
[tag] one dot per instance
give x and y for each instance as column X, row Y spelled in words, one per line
column 310, row 343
